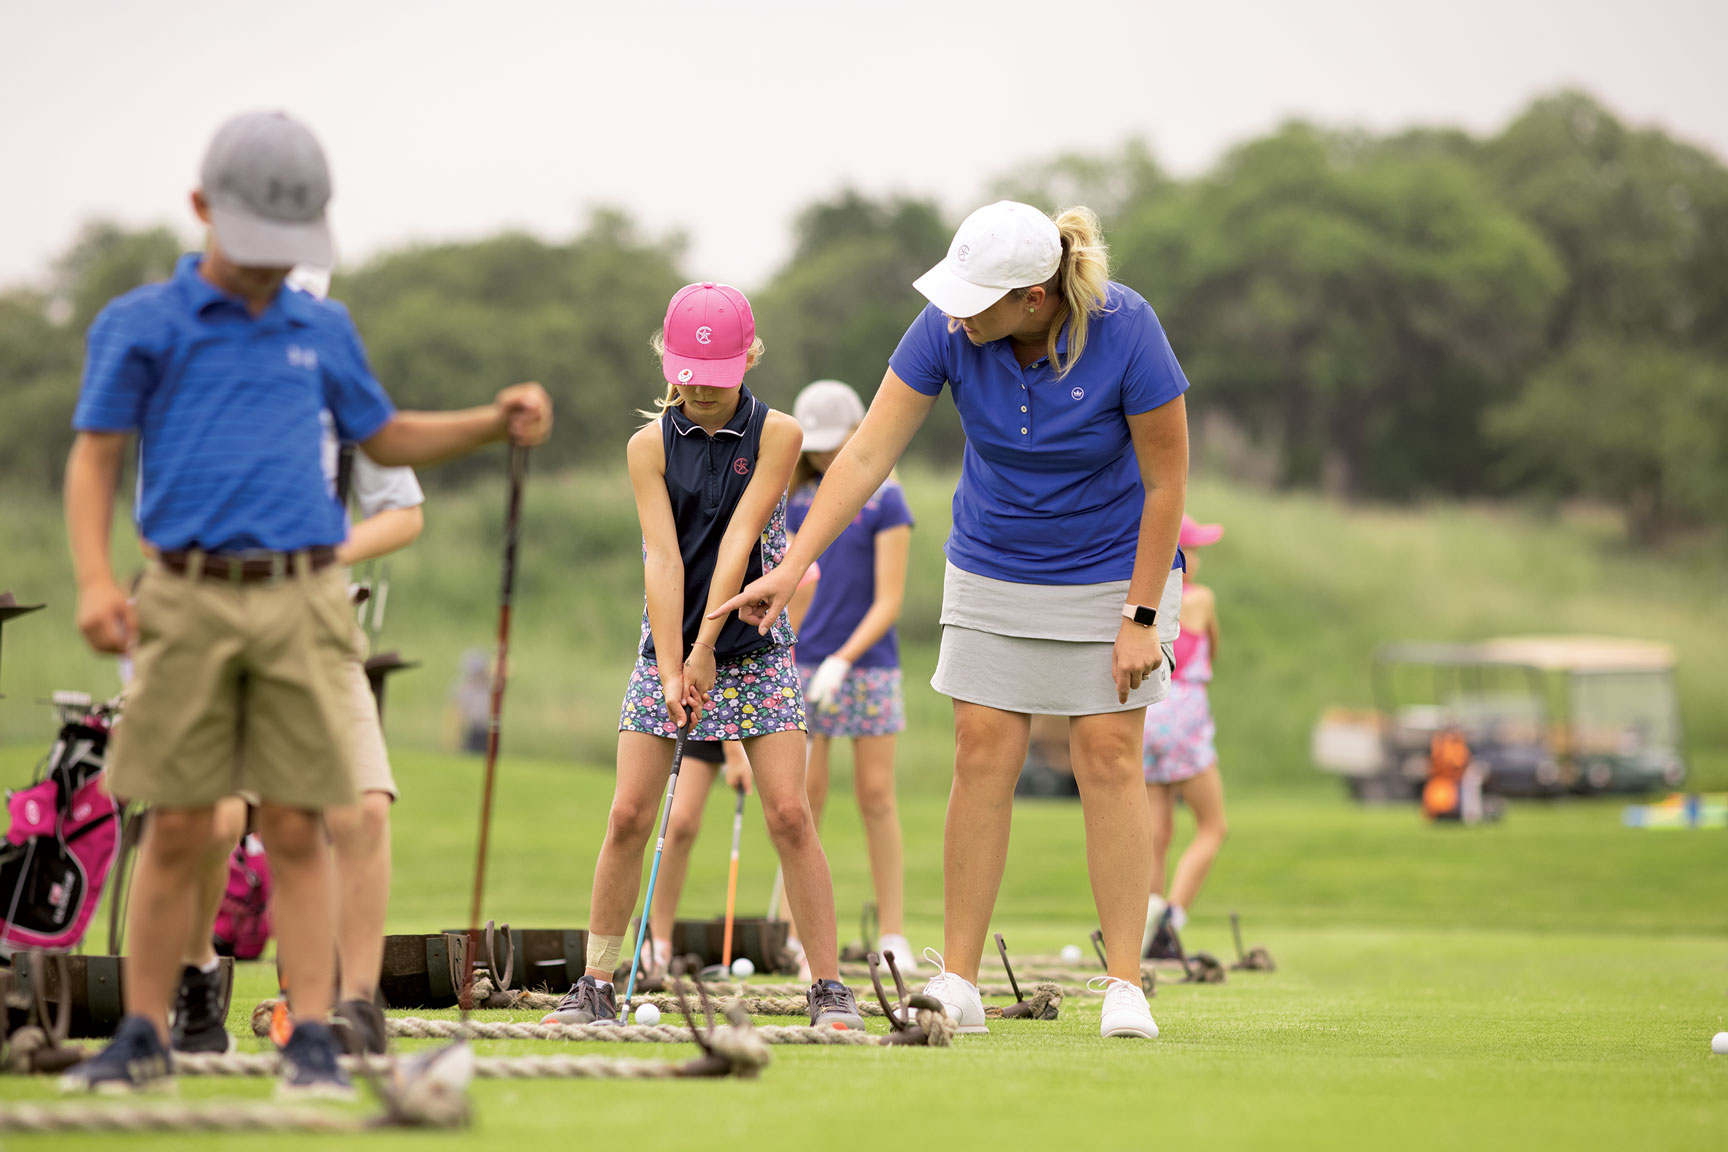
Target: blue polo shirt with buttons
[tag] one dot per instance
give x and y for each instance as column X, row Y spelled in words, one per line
column 226, row 406
column 1050, row 489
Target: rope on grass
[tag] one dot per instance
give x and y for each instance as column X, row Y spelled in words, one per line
column 215, row 1064
column 176, row 1118
column 418, row 1028
column 760, row 1005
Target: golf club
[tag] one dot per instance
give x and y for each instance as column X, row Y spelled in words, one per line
column 506, row 591
column 732, row 881
column 654, row 869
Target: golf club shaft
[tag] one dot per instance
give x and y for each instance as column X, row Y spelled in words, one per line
column 506, row 592
column 778, row 891
column 732, row 880
column 654, row 870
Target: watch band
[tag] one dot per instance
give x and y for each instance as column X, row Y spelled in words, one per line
column 1140, row 614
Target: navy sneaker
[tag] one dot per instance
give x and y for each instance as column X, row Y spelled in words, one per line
column 199, row 1022
column 587, row 1002
column 134, row 1061
column 310, row 1069
column 832, row 1005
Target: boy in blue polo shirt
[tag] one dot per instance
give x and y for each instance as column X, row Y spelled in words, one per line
column 241, row 627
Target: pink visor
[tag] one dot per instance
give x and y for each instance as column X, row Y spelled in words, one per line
column 1196, row 535
column 708, row 333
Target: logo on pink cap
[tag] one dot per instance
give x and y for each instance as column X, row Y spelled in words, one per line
column 708, row 333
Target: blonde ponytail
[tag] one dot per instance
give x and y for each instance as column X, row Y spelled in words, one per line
column 1081, row 280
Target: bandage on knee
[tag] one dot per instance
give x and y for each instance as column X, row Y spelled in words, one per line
column 603, row 951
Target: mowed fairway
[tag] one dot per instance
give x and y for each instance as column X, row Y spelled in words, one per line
column 1550, row 982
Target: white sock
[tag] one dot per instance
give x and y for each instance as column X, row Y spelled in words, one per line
column 1154, row 909
column 211, row 968
column 662, row 953
column 1178, row 917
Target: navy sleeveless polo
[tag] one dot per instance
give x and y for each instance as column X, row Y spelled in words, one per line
column 705, row 478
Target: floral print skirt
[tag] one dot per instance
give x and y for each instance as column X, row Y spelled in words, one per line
column 869, row 703
column 753, row 695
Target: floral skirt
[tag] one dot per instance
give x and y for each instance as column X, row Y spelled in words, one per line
column 1180, row 734
column 753, row 695
column 869, row 703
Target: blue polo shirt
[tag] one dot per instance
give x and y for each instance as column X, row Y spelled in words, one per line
column 848, row 585
column 1050, row 489
column 226, row 407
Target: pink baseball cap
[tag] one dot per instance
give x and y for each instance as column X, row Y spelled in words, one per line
column 708, row 333
column 1195, row 535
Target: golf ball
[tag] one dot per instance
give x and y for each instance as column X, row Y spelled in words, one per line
column 742, row 967
column 1071, row 953
column 1719, row 1043
column 647, row 1014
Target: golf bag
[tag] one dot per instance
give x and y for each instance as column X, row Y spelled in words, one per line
column 243, row 921
column 61, row 843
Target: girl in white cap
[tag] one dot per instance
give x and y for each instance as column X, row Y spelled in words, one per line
column 1062, row 583
column 1182, row 759
column 710, row 472
column 848, row 653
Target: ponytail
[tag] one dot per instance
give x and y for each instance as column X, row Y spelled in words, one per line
column 1081, row 280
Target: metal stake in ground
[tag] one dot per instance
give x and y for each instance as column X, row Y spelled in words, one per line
column 732, row 881
column 506, row 592
column 654, row 870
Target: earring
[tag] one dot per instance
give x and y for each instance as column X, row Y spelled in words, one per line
column 1031, row 310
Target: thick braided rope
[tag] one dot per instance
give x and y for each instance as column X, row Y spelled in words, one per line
column 754, row 1005
column 175, row 1118
column 418, row 1028
column 485, row 1067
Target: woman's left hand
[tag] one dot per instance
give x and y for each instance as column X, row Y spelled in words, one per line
column 1135, row 657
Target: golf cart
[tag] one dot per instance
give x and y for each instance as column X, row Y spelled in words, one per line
column 1544, row 715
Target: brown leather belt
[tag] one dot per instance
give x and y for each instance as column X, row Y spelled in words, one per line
column 245, row 567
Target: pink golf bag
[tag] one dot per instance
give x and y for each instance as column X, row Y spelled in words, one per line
column 243, row 921
column 61, row 842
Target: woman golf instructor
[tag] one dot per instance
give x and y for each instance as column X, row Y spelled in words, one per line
column 1061, row 590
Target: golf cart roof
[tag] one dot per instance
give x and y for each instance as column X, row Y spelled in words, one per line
column 1549, row 653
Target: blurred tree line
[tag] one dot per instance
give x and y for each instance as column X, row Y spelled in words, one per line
column 1426, row 313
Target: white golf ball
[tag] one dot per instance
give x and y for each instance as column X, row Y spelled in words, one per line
column 1071, row 953
column 742, row 967
column 647, row 1014
column 1719, row 1043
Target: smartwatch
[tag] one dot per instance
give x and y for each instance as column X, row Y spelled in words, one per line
column 1140, row 614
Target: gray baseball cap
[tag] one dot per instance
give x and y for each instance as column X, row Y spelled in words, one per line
column 267, row 184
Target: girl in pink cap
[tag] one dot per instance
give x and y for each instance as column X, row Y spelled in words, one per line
column 1181, row 759
column 709, row 471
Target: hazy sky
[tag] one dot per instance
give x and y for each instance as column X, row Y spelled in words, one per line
column 447, row 120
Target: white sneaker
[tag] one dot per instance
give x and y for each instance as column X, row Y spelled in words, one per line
column 1126, row 1012
column 903, row 959
column 958, row 994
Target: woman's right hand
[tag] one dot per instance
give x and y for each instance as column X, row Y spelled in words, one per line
column 761, row 601
column 683, row 698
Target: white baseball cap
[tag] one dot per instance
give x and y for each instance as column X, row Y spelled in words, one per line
column 827, row 410
column 1001, row 246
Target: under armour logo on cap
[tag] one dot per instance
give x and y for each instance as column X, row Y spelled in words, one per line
column 964, row 253
column 704, row 335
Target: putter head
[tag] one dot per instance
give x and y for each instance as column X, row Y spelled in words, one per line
column 1203, row 968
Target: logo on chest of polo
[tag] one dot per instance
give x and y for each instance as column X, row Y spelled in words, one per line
column 1078, row 393
column 741, row 466
column 303, row 357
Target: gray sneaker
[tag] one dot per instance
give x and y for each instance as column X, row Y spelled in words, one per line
column 587, row 1002
column 200, row 1025
column 832, row 1005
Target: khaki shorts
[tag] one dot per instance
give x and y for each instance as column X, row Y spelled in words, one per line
column 241, row 687
column 371, row 760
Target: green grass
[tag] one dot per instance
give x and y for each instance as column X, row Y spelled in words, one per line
column 1552, row 981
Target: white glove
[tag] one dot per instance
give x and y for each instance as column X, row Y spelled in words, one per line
column 824, row 687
